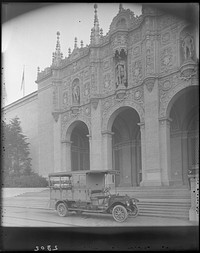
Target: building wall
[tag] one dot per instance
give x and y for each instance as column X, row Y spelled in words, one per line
column 83, row 87
column 27, row 110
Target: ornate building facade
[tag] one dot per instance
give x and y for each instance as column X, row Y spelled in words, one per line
column 128, row 101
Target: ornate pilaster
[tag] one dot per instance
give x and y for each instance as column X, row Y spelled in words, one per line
column 165, row 151
column 107, row 149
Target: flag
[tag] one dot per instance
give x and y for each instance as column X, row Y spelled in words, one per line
column 23, row 84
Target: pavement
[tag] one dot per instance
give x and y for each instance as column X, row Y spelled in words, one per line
column 38, row 198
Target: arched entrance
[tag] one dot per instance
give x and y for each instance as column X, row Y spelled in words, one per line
column 126, row 147
column 80, row 159
column 184, row 134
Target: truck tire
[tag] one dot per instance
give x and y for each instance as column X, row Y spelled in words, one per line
column 62, row 209
column 119, row 213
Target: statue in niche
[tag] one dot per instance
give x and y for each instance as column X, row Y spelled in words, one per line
column 76, row 93
column 188, row 47
column 120, row 73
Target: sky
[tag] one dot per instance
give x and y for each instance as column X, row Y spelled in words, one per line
column 29, row 40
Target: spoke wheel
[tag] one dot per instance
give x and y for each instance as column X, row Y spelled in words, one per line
column 119, row 213
column 134, row 212
column 62, row 210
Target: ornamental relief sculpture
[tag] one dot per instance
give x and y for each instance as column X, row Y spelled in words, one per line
column 165, row 38
column 135, row 95
column 107, row 82
column 65, row 99
column 67, row 118
column 168, row 87
column 136, row 51
column 93, row 70
column 149, row 57
column 137, row 71
column 112, row 105
column 167, row 59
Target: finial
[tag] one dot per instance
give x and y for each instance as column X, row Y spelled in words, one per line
column 69, row 51
column 57, row 55
column 120, row 7
column 81, row 44
column 38, row 69
column 101, row 32
column 96, row 22
column 75, row 42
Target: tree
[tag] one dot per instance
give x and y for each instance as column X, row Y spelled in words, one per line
column 16, row 151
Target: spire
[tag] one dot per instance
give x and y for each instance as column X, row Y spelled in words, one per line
column 96, row 21
column 120, row 7
column 95, row 30
column 57, row 55
column 75, row 42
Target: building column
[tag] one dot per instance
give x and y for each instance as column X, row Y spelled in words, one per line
column 151, row 165
column 165, row 151
column 143, row 152
column 66, row 155
column 57, row 143
column 107, row 150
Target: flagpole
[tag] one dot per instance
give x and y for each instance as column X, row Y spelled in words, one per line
column 23, row 82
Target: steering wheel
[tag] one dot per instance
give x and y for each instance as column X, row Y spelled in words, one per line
column 107, row 191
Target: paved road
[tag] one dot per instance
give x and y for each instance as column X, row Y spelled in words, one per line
column 30, row 209
column 39, row 217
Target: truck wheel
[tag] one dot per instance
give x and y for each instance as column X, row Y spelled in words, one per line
column 134, row 212
column 119, row 213
column 62, row 209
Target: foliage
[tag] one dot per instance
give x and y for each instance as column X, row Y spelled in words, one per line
column 33, row 180
column 17, row 171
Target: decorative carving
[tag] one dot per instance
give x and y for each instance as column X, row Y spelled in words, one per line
column 188, row 71
column 149, row 57
column 65, row 98
column 177, row 84
column 150, row 85
column 166, row 85
column 116, row 104
column 136, row 51
column 119, row 43
column 106, row 64
column 86, row 74
column 55, row 116
column 75, row 110
column 107, row 81
column 94, row 101
column 121, row 94
column 69, row 118
column 165, row 38
column 137, row 94
column 94, row 76
column 76, row 92
column 137, row 70
column 87, row 111
column 87, row 89
column 166, row 59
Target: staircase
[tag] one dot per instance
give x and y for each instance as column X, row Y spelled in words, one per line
column 161, row 201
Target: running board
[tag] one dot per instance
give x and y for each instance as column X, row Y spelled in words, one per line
column 88, row 211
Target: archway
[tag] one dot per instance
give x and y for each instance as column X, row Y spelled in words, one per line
column 80, row 155
column 126, row 146
column 184, row 134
